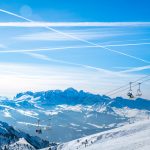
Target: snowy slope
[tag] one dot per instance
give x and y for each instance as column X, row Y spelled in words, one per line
column 129, row 137
column 13, row 138
column 21, row 144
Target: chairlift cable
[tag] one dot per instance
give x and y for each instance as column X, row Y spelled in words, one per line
column 128, row 87
column 109, row 93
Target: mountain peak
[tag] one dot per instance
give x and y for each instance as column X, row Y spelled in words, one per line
column 72, row 90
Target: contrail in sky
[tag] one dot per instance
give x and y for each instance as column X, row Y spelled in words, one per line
column 74, row 24
column 70, row 47
column 76, row 38
column 65, row 48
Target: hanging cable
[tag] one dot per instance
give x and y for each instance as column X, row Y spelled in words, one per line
column 126, row 85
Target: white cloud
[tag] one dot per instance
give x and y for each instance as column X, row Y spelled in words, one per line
column 88, row 67
column 16, row 78
column 80, row 34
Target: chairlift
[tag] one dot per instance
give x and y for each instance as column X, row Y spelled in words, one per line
column 130, row 93
column 38, row 130
column 139, row 93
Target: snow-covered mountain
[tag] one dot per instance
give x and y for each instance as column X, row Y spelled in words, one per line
column 134, row 136
column 10, row 137
column 21, row 144
column 69, row 114
column 69, row 96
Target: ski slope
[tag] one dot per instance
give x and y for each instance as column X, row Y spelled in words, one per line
column 129, row 137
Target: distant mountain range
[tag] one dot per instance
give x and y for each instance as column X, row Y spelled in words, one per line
column 69, row 114
column 71, row 96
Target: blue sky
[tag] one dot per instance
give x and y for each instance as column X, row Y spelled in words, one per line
column 94, row 45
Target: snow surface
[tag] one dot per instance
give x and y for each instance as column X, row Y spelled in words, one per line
column 131, row 113
column 22, row 144
column 33, row 124
column 134, row 136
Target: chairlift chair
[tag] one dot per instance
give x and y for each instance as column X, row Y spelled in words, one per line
column 38, row 130
column 130, row 94
column 139, row 93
